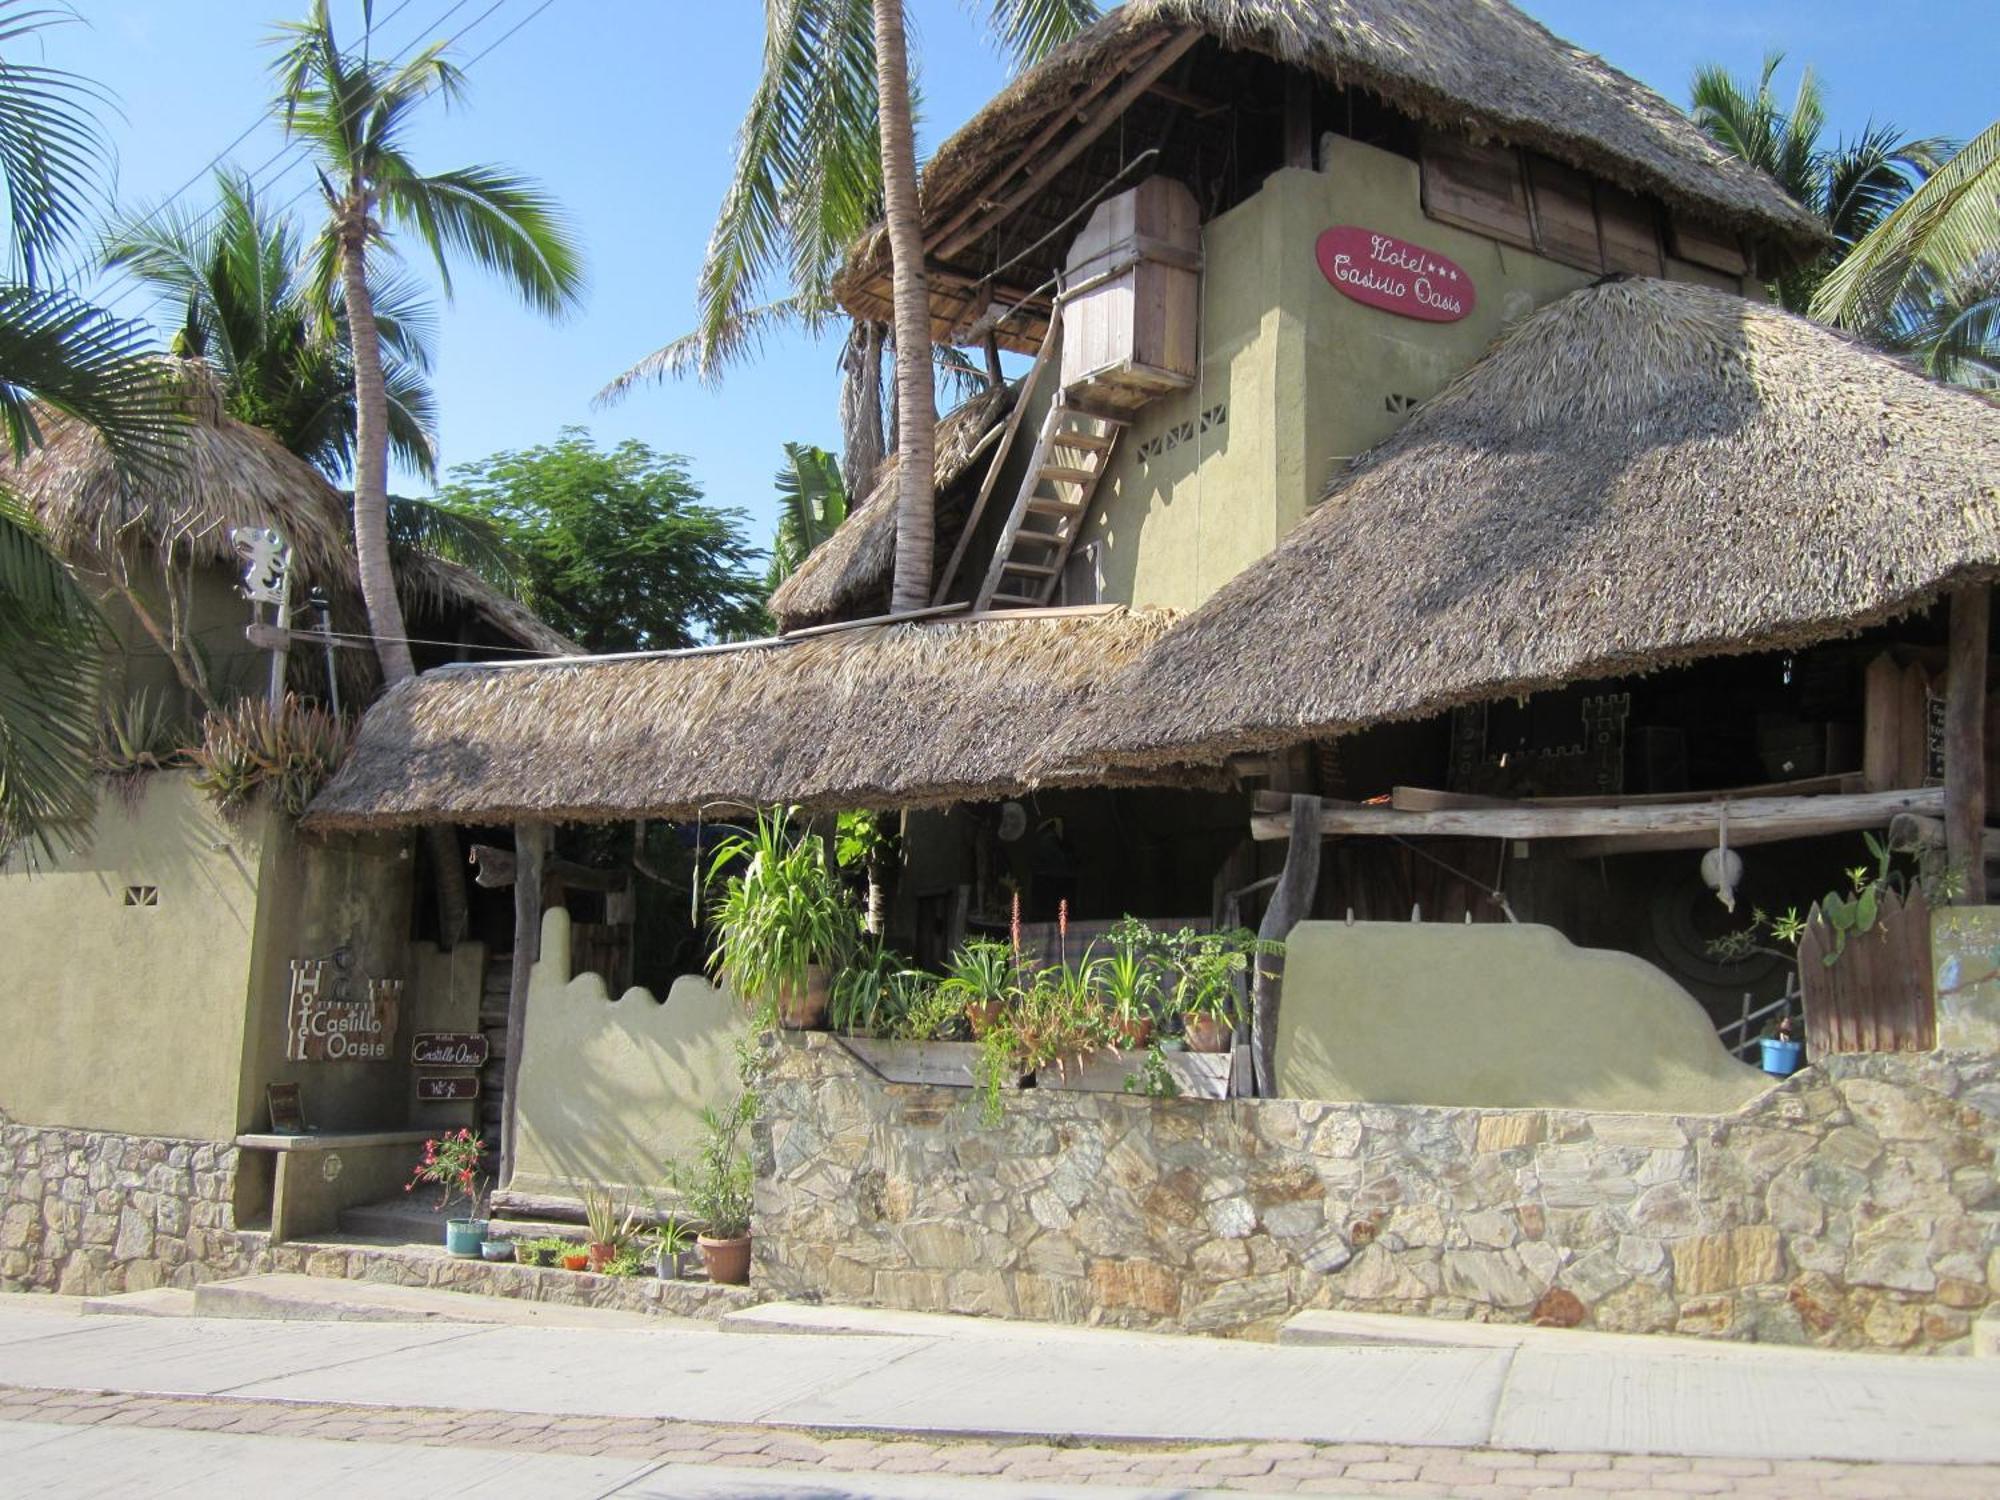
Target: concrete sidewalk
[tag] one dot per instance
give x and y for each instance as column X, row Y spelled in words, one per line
column 1680, row 1399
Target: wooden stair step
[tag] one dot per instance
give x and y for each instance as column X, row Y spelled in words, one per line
column 1041, row 507
column 1090, row 440
column 1022, row 600
column 1063, row 474
column 1033, row 570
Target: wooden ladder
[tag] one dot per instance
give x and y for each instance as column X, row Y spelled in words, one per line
column 1071, row 455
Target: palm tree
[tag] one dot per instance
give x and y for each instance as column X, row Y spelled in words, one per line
column 1926, row 279
column 354, row 112
column 812, row 502
column 809, row 180
column 234, row 277
column 1851, row 186
column 59, row 353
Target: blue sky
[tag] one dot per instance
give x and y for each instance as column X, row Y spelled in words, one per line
column 628, row 108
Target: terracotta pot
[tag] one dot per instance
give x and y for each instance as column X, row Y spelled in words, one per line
column 1132, row 1034
column 1206, row 1033
column 577, row 1261
column 600, row 1254
column 726, row 1261
column 807, row 1011
column 981, row 1014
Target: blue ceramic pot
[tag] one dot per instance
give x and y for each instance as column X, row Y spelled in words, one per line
column 1781, row 1058
column 462, row 1236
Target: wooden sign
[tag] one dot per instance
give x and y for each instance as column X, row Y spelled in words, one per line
column 447, row 1088
column 324, row 1024
column 449, row 1049
column 1394, row 275
column 288, row 1116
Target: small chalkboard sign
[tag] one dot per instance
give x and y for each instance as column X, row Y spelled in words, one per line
column 447, row 1088
column 288, row 1116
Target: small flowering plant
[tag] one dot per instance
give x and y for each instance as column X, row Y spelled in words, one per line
column 451, row 1164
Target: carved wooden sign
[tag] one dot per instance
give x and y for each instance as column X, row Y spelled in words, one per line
column 1394, row 274
column 449, row 1049
column 325, row 1024
column 447, row 1088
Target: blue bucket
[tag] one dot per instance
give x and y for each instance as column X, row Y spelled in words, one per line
column 462, row 1236
column 1781, row 1057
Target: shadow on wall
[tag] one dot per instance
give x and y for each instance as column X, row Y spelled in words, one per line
column 1493, row 1015
column 611, row 1090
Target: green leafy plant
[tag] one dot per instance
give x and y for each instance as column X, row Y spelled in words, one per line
column 782, row 914
column 669, row 1240
column 451, row 1164
column 627, row 1262
column 1128, row 977
column 979, row 978
column 138, row 734
column 1153, row 1079
column 1054, row 1019
column 543, row 1251
column 716, row 1183
column 1848, row 913
column 930, row 1013
column 611, row 1223
column 874, row 991
column 293, row 749
column 1210, row 969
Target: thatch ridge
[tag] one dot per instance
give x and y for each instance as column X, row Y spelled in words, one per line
column 907, row 714
column 222, row 474
column 1482, row 67
column 1640, row 474
column 854, row 564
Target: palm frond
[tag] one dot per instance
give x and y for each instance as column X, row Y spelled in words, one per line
column 51, row 149
column 50, row 664
column 1029, row 30
column 503, row 223
column 468, row 539
column 741, row 337
column 76, row 358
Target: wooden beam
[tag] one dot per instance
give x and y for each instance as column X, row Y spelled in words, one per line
column 1290, row 904
column 1425, row 799
column 1881, row 715
column 531, row 843
column 1080, row 140
column 1965, row 741
column 1783, row 817
column 1298, row 119
column 494, row 868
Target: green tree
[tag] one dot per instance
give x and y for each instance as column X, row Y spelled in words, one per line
column 354, row 113
column 1852, row 185
column 236, row 278
column 812, row 502
column 826, row 148
column 57, row 352
column 616, row 548
column 1926, row 279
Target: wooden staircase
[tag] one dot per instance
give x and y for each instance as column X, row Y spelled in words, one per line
column 1071, row 456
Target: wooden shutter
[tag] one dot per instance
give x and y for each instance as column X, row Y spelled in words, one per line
column 1715, row 248
column 1565, row 216
column 1630, row 232
column 1478, row 188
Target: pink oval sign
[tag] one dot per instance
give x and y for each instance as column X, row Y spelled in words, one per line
column 1394, row 275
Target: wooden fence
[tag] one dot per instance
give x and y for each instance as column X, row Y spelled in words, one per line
column 1877, row 996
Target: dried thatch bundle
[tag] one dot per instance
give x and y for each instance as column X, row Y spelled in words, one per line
column 848, row 573
column 877, row 716
column 1642, row 473
column 222, row 474
column 1478, row 67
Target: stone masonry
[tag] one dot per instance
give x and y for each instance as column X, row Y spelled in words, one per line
column 88, row 1213
column 1853, row 1206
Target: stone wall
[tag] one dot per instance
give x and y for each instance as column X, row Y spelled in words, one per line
column 1855, row 1206
column 87, row 1212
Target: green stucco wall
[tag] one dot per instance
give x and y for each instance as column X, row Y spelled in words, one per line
column 130, row 1018
column 1307, row 377
column 611, row 1090
column 1493, row 1015
column 1965, row 957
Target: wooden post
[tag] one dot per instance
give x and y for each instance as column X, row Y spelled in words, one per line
column 1291, row 902
column 1965, row 742
column 1298, row 118
column 531, row 842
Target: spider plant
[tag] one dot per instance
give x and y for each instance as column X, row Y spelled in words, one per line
column 783, row 919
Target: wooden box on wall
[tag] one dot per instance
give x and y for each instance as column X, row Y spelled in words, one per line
column 1129, row 329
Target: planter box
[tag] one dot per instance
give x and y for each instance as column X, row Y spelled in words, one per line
column 936, row 1063
column 1201, row 1075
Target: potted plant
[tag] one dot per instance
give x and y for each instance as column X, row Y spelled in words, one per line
column 1050, row 1031
column 451, row 1163
column 610, row 1229
column 671, row 1240
column 977, row 979
column 716, row 1185
column 1209, row 970
column 1129, row 983
column 1780, row 1053
column 784, row 920
column 496, row 1250
column 575, row 1259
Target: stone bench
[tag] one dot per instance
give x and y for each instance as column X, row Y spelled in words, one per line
column 314, row 1176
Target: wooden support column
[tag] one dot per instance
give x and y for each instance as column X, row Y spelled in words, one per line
column 1298, row 119
column 1965, row 741
column 531, row 842
column 1291, row 903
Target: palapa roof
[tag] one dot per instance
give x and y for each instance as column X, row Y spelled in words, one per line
column 848, row 574
column 905, row 714
column 1481, row 68
column 1640, row 474
column 222, row 474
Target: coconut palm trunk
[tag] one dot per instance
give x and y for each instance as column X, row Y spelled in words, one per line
column 916, row 411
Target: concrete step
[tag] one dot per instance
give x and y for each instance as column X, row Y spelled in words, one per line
column 311, row 1299
column 884, row 1322
column 406, row 1218
column 1324, row 1328
column 155, row 1302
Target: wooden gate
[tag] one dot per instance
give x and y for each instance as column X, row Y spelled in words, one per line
column 1877, row 996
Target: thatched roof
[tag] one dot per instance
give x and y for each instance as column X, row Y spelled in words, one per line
column 223, row 474
column 848, row 574
column 875, row 716
column 1477, row 67
column 1640, row 474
